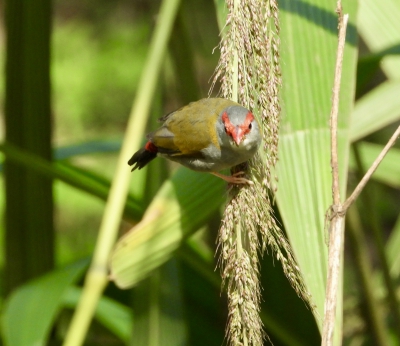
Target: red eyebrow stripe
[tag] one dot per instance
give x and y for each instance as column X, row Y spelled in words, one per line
column 228, row 125
column 247, row 122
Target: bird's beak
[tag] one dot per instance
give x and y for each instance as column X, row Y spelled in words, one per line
column 238, row 135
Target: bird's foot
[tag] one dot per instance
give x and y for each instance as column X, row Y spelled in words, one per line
column 234, row 178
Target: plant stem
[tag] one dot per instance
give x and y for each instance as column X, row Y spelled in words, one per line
column 28, row 211
column 336, row 236
column 235, row 76
column 335, row 104
column 96, row 278
column 380, row 246
column 336, row 229
column 371, row 170
column 337, row 211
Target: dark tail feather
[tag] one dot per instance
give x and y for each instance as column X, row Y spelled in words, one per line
column 141, row 158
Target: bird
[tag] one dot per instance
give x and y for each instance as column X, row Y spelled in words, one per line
column 208, row 135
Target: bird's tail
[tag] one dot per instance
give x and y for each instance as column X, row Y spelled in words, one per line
column 143, row 156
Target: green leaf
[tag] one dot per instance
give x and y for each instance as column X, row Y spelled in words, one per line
column 377, row 109
column 309, row 42
column 222, row 11
column 92, row 147
column 158, row 306
column 30, row 311
column 369, row 64
column 392, row 250
column 182, row 205
column 388, row 172
column 79, row 178
column 111, row 314
column 199, row 256
column 379, row 26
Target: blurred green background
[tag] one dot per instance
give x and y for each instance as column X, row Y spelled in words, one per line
column 98, row 51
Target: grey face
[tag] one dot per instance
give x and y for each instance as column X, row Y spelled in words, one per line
column 237, row 125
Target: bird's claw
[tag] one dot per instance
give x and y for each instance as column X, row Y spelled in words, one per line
column 234, row 178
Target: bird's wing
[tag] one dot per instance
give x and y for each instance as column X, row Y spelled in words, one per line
column 190, row 129
column 186, row 132
column 163, row 139
column 189, row 108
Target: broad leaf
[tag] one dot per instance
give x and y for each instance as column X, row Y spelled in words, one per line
column 30, row 310
column 388, row 172
column 158, row 306
column 182, row 205
column 111, row 314
column 379, row 26
column 309, row 42
column 375, row 110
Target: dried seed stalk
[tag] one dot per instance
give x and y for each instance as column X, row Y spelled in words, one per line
column 249, row 64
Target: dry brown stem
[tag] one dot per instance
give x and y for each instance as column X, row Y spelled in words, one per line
column 336, row 229
column 336, row 213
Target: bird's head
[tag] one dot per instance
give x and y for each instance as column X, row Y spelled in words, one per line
column 240, row 124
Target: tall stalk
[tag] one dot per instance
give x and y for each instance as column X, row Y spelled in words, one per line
column 97, row 277
column 29, row 209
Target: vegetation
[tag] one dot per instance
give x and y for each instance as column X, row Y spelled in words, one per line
column 99, row 63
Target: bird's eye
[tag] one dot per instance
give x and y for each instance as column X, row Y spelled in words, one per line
column 250, row 126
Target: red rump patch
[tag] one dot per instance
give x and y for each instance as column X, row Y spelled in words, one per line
column 150, row 147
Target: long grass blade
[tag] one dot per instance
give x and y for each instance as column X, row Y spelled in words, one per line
column 309, row 44
column 30, row 311
column 182, row 205
column 377, row 109
column 379, row 36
